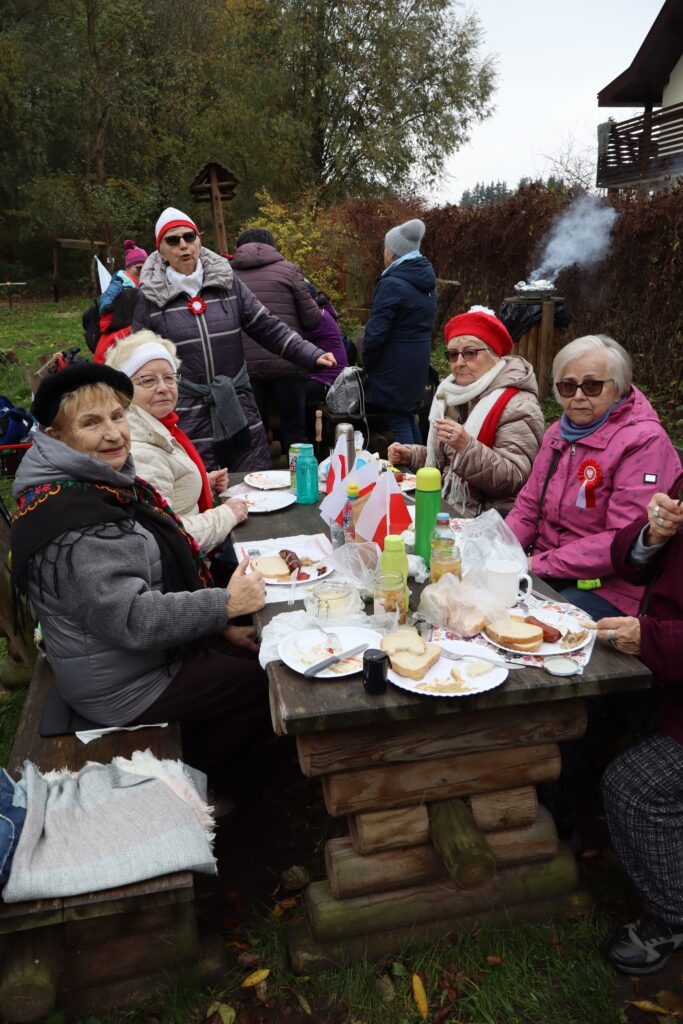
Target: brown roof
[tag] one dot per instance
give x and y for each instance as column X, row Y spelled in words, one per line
column 642, row 83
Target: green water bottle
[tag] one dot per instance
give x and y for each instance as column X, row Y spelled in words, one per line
column 427, row 506
column 394, row 559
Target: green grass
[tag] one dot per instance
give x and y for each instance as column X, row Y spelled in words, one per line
column 30, row 330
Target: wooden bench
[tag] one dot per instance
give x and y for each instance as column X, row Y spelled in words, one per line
column 98, row 949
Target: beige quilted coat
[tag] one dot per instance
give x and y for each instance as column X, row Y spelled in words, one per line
column 495, row 475
column 163, row 462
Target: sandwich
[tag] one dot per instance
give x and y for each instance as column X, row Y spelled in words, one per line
column 409, row 654
column 516, row 634
column 273, row 567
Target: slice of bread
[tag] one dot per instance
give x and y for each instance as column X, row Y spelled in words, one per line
column 272, row 566
column 404, row 639
column 517, row 634
column 407, row 659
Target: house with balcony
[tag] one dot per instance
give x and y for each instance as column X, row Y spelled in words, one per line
column 643, row 151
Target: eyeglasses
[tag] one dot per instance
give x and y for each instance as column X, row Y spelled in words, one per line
column 469, row 354
column 174, row 240
column 590, row 388
column 170, row 380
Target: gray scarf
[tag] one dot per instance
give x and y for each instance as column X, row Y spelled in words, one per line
column 221, row 396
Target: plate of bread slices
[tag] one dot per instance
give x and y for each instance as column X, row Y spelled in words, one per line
column 548, row 633
column 277, row 568
column 419, row 667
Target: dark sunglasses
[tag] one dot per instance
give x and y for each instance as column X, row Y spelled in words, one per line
column 590, row 388
column 173, row 240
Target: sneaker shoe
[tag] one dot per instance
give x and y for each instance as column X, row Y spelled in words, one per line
column 643, row 946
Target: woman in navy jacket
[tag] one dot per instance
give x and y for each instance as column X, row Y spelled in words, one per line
column 397, row 341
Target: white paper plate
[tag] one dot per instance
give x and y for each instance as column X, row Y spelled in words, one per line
column 301, row 650
column 312, row 570
column 438, row 680
column 263, row 501
column 268, row 479
column 564, row 621
column 408, row 483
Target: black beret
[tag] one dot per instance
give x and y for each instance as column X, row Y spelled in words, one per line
column 256, row 235
column 52, row 388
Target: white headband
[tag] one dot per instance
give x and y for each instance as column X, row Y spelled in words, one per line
column 145, row 354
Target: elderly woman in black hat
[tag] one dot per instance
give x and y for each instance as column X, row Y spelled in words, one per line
column 121, row 589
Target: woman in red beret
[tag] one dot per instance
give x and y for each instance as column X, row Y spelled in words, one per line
column 486, row 424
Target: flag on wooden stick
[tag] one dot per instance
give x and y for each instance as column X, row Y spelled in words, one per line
column 385, row 511
column 365, row 476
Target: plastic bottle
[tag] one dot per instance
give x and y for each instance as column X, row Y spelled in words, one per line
column 306, row 476
column 348, row 525
column 427, row 506
column 442, row 536
column 394, row 559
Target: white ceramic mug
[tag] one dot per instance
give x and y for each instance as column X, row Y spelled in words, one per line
column 505, row 580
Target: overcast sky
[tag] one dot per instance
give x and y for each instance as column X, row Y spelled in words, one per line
column 553, row 57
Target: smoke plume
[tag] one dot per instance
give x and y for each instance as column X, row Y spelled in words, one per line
column 581, row 236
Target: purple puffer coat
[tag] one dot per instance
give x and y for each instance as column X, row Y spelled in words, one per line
column 211, row 344
column 280, row 286
column 329, row 336
column 632, row 457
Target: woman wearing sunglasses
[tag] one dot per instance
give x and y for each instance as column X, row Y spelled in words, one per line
column 598, row 467
column 485, row 422
column 190, row 295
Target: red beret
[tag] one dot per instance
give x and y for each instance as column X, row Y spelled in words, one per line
column 484, row 326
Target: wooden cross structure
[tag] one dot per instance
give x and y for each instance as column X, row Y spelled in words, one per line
column 214, row 183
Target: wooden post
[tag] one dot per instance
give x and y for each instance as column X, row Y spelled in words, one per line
column 331, row 919
column 509, row 808
column 29, row 974
column 217, row 210
column 55, row 270
column 387, row 830
column 546, row 346
column 352, row 875
column 464, row 849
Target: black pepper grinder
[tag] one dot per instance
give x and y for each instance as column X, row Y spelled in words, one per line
column 375, row 670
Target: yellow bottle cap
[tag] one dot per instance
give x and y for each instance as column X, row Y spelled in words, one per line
column 394, row 543
column 352, row 490
column 428, row 479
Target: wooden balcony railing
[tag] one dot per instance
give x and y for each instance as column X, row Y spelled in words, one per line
column 643, row 149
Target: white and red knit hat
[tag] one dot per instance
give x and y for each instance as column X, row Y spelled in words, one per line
column 480, row 323
column 172, row 218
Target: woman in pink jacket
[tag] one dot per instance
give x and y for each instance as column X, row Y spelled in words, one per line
column 598, row 467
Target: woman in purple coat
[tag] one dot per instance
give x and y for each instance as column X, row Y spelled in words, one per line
column 191, row 296
column 327, row 336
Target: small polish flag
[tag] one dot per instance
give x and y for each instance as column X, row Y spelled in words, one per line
column 337, row 465
column 365, row 476
column 384, row 512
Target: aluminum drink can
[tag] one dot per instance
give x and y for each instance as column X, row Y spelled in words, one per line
column 294, row 450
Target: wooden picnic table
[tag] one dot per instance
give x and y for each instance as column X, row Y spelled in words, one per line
column 445, row 829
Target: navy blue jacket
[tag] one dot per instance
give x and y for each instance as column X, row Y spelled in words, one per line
column 397, row 341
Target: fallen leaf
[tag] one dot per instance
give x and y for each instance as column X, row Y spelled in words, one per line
column 493, row 960
column 255, row 978
column 303, row 1003
column 399, row 971
column 295, row 877
column 222, row 1013
column 248, row 958
column 645, row 1006
column 385, row 988
column 234, row 944
column 420, row 996
column 282, row 905
column 557, row 943
column 261, row 990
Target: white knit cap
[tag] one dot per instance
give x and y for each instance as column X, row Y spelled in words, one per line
column 405, row 238
column 172, row 218
column 145, row 354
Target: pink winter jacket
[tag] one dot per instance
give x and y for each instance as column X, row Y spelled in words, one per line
column 635, row 458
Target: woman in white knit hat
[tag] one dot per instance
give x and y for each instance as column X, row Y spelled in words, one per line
column 165, row 456
column 190, row 295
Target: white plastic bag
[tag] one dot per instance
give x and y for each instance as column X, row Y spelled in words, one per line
column 460, row 605
column 357, row 563
column 486, row 539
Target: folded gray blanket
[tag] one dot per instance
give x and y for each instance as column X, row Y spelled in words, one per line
column 109, row 825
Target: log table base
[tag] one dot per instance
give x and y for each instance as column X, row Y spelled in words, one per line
column 445, row 830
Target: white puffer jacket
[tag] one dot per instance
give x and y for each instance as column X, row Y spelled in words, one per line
column 163, row 462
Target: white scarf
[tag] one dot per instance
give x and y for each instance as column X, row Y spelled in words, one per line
column 190, row 283
column 455, row 490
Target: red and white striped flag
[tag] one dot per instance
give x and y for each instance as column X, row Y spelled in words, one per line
column 337, row 465
column 384, row 512
column 365, row 476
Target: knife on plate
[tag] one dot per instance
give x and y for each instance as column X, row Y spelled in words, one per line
column 333, row 660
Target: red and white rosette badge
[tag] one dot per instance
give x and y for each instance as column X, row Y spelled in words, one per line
column 196, row 305
column 590, row 476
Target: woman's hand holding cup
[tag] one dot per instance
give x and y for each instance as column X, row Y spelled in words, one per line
column 246, row 593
